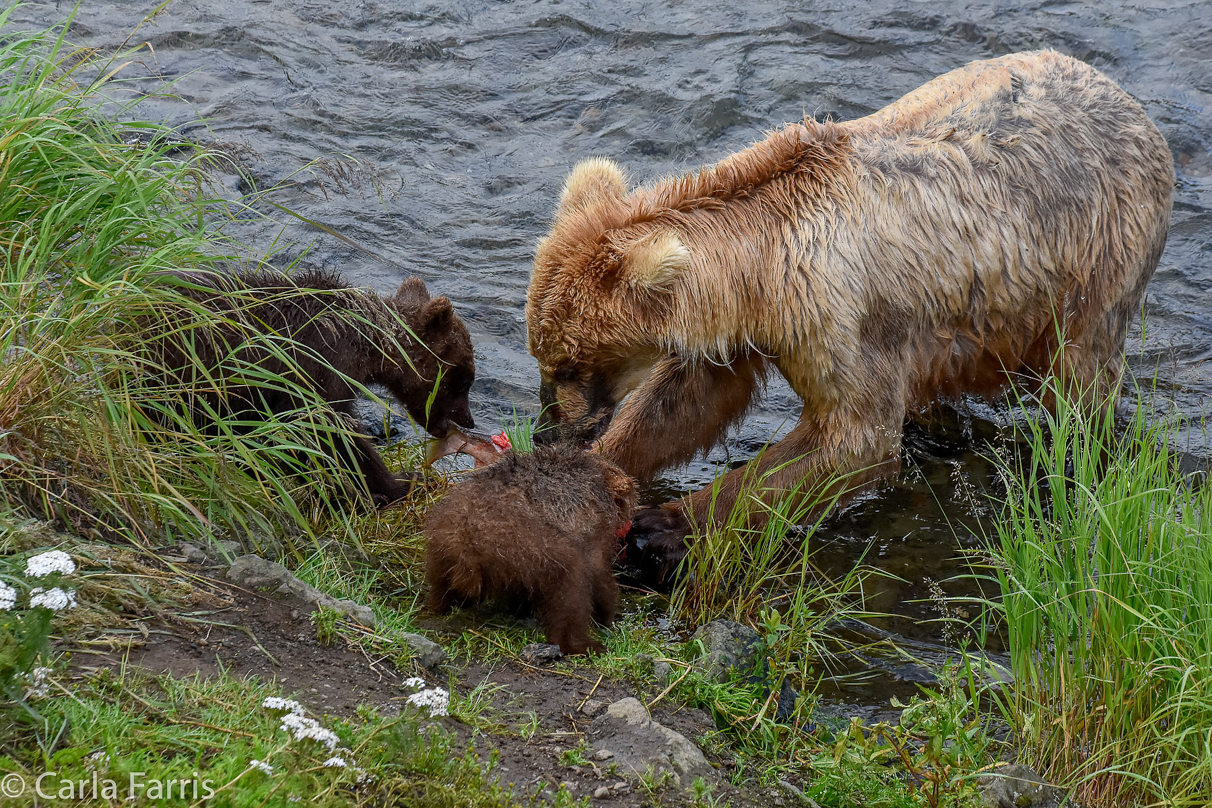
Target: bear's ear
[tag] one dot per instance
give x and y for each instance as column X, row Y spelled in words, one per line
column 412, row 294
column 436, row 316
column 592, row 180
column 655, row 261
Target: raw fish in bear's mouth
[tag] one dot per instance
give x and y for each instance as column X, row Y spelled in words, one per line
column 484, row 450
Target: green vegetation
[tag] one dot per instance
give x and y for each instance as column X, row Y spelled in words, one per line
column 755, row 567
column 93, row 215
column 128, row 734
column 1104, row 555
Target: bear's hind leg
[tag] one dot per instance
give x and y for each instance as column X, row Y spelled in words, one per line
column 605, row 597
column 564, row 613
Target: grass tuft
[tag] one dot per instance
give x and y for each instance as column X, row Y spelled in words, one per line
column 1104, row 555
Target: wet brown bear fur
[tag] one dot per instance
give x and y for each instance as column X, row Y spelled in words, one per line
column 997, row 225
column 539, row 529
column 343, row 336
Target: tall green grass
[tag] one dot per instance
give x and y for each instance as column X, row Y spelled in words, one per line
column 1104, row 555
column 93, row 215
column 754, row 565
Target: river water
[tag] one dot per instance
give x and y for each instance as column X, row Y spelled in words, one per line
column 437, row 135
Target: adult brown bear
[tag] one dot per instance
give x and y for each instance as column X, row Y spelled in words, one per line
column 999, row 223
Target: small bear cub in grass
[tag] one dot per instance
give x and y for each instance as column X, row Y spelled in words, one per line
column 332, row 338
column 539, row 529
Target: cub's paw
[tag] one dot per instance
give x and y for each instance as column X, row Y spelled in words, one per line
column 657, row 540
column 395, row 490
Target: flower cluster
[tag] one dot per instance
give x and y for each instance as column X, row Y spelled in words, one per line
column 55, row 598
column 44, row 564
column 38, row 687
column 303, row 728
column 300, row 726
column 276, row 703
column 309, row 729
column 435, row 700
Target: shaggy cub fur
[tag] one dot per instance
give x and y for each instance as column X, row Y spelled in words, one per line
column 537, row 529
column 341, row 336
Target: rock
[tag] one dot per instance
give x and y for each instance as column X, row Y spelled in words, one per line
column 592, row 707
column 378, row 422
column 662, row 671
column 265, row 545
column 1012, row 785
column 797, row 795
column 729, row 649
column 193, row 554
column 784, row 708
column 733, row 650
column 224, row 550
column 601, row 792
column 540, row 653
column 254, row 572
column 602, row 754
column 428, row 654
column 636, row 742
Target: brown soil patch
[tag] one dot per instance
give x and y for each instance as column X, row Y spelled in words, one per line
column 255, row 635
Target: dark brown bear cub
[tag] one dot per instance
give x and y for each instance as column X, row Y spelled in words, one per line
column 322, row 335
column 538, row 529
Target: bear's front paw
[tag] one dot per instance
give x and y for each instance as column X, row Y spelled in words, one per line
column 657, row 540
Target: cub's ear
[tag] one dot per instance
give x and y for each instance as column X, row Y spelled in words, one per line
column 622, row 490
column 436, row 316
column 654, row 262
column 412, row 294
column 591, row 181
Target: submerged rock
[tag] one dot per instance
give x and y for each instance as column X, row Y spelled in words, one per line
column 254, row 572
column 1012, row 785
column 626, row 735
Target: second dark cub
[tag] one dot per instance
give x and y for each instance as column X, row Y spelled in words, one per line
column 540, row 529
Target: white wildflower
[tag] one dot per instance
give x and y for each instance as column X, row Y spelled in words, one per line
column 97, row 760
column 44, row 564
column 8, row 597
column 38, row 687
column 276, row 703
column 364, row 777
column 303, row 728
column 334, row 763
column 55, row 599
column 415, row 682
column 437, row 701
column 261, row 765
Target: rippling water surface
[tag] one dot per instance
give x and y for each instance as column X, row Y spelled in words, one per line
column 464, row 117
